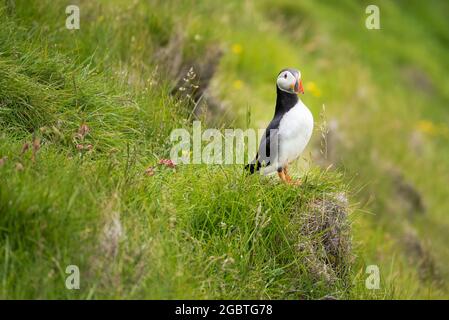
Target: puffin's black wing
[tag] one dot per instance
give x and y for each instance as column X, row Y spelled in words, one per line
column 268, row 149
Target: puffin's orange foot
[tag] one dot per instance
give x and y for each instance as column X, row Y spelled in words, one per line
column 289, row 180
column 282, row 176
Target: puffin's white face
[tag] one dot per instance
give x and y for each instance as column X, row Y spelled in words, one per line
column 290, row 81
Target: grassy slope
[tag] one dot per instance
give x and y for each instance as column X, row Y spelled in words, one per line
column 166, row 219
column 193, row 232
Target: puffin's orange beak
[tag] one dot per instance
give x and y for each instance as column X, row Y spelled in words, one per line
column 300, row 87
column 297, row 87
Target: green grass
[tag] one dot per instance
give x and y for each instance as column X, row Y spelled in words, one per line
column 189, row 232
column 202, row 231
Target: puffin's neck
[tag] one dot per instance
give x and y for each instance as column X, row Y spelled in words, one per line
column 284, row 101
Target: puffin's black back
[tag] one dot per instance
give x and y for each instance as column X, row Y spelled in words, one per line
column 284, row 102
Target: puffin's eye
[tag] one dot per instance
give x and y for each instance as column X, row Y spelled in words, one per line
column 285, row 76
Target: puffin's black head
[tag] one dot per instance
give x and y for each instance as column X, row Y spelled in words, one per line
column 289, row 80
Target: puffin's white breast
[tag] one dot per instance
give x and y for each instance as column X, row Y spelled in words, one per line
column 295, row 131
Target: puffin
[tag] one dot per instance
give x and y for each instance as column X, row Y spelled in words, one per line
column 289, row 131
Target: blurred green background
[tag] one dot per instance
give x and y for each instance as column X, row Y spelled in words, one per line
column 379, row 99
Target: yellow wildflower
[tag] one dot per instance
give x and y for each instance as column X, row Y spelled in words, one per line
column 238, row 84
column 427, row 127
column 236, row 48
column 313, row 89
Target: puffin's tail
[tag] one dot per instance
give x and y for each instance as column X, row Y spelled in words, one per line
column 253, row 167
